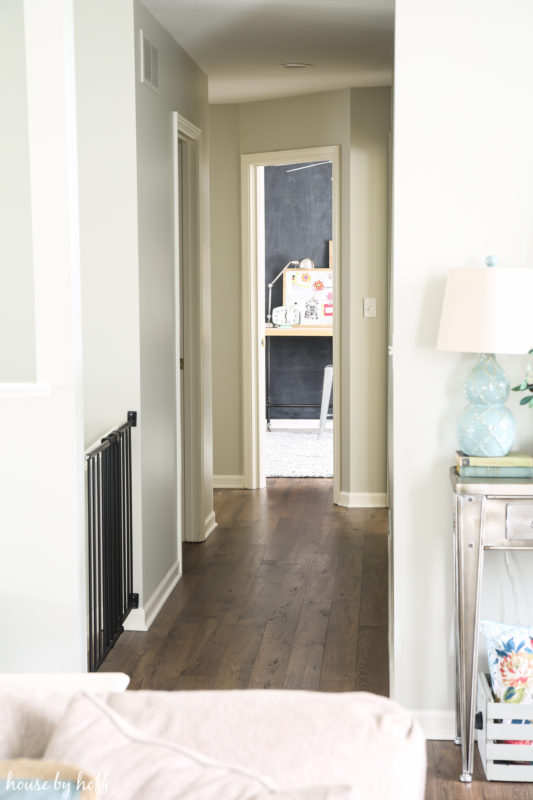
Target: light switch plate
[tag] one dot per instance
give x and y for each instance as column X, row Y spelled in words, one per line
column 369, row 307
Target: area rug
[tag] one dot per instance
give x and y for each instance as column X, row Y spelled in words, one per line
column 299, row 454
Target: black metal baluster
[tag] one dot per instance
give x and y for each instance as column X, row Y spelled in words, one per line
column 117, row 535
column 89, row 562
column 129, row 522
column 101, row 557
column 124, row 599
column 109, row 545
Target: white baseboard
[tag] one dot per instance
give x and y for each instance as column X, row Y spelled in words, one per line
column 228, row 481
column 436, row 724
column 308, row 424
column 210, row 524
column 140, row 619
column 363, row 499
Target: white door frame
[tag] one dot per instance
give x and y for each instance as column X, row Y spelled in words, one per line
column 253, row 300
column 190, row 498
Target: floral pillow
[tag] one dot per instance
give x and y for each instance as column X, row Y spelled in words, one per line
column 510, row 653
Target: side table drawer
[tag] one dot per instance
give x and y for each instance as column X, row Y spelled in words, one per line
column 519, row 521
column 508, row 522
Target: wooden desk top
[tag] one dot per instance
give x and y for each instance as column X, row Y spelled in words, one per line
column 300, row 330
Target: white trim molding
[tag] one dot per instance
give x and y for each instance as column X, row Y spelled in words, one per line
column 363, row 499
column 436, row 724
column 140, row 619
column 191, row 419
column 186, row 128
column 210, row 524
column 228, row 481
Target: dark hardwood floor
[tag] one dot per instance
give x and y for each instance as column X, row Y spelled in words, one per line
column 289, row 592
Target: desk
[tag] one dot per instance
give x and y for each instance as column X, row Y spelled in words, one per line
column 298, row 330
column 486, row 517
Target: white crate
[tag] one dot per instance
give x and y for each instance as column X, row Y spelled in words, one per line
column 497, row 727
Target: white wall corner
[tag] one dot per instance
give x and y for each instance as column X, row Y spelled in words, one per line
column 363, row 499
column 228, row 481
column 436, row 724
column 140, row 619
column 210, row 524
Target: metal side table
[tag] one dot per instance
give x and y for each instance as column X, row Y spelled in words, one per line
column 489, row 514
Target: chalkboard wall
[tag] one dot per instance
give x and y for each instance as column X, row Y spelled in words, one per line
column 297, row 225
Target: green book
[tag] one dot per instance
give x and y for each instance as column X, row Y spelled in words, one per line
column 495, row 472
column 513, row 459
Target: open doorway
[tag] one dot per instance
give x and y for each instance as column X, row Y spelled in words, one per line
column 286, row 358
column 298, row 269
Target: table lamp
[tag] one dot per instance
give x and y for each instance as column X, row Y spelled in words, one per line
column 487, row 311
column 268, row 323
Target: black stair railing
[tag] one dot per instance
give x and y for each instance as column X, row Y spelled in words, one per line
column 109, row 540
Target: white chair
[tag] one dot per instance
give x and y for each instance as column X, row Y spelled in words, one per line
column 327, row 387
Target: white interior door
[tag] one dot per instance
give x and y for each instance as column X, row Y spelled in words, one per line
column 180, row 348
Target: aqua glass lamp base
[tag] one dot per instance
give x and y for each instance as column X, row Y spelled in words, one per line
column 486, row 427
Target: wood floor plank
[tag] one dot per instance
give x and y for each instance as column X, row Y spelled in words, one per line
column 307, row 654
column 432, row 790
column 161, row 668
column 207, row 591
column 377, row 520
column 238, row 591
column 340, row 655
column 239, row 656
column 191, row 682
column 280, row 541
column 374, row 598
column 372, row 666
column 338, row 672
column 114, row 661
column 265, row 589
column 272, row 659
column 212, row 640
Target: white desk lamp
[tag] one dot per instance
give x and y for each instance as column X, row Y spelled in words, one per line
column 268, row 323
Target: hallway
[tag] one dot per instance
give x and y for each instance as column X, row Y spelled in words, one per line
column 290, row 591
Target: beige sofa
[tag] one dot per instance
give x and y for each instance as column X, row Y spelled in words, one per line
column 215, row 745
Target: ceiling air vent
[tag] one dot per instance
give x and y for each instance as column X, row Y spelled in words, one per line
column 149, row 63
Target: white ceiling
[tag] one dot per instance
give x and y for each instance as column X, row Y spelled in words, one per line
column 240, row 44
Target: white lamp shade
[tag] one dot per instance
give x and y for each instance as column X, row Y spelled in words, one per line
column 487, row 310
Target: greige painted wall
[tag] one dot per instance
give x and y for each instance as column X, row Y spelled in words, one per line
column 17, row 328
column 226, row 280
column 358, row 121
column 182, row 88
column 369, row 250
column 108, row 212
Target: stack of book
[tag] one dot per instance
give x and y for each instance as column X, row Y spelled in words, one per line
column 514, row 465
